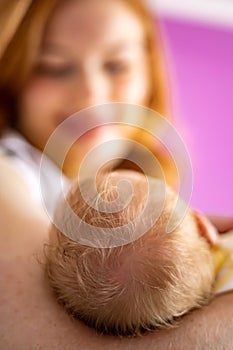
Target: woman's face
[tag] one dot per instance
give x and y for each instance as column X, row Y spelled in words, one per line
column 93, row 52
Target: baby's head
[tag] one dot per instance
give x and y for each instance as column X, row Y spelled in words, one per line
column 138, row 286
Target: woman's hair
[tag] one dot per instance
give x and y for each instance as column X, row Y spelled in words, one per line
column 158, row 99
column 22, row 29
column 23, row 24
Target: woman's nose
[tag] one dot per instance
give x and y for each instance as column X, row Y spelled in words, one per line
column 90, row 90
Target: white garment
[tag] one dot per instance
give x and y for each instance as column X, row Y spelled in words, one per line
column 224, row 278
column 26, row 159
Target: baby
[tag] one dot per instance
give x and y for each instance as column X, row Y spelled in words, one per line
column 141, row 285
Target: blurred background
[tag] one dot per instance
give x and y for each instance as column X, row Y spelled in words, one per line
column 199, row 50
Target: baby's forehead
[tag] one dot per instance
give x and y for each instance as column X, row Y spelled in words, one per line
column 123, row 188
column 159, row 195
column 125, row 178
column 126, row 184
column 139, row 212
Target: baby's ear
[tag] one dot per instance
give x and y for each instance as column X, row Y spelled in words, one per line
column 206, row 228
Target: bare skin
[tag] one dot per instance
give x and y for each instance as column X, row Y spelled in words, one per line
column 30, row 318
column 223, row 224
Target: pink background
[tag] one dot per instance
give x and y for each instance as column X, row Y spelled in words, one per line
column 201, row 63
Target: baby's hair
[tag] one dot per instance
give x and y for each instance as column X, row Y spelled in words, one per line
column 139, row 286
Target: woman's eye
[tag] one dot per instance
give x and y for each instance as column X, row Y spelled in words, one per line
column 55, row 72
column 117, row 67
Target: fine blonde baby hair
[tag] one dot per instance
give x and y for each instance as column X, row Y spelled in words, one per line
column 139, row 286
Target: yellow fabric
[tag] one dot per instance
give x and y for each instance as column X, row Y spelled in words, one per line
column 223, row 261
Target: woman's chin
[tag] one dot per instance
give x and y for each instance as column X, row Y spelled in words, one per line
column 89, row 157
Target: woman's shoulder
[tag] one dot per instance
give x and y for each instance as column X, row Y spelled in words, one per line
column 26, row 161
column 12, row 184
column 24, row 158
column 17, row 207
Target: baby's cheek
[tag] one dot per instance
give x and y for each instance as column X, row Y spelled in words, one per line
column 206, row 229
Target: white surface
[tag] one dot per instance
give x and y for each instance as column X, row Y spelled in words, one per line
column 218, row 12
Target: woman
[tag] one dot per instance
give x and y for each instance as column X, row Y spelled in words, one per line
column 52, row 69
column 58, row 57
